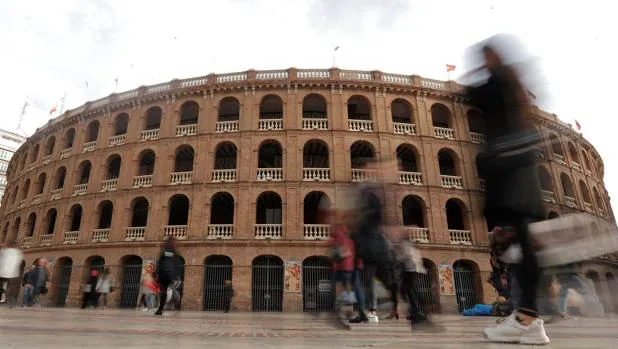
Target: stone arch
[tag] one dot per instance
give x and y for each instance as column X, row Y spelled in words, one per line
column 407, row 158
column 271, row 107
column 152, row 121
column 359, row 108
column 314, row 106
column 121, row 124
column 317, row 291
column 413, row 211
column 229, row 109
column 567, row 185
column 130, row 280
column 441, row 116
column 217, row 270
column 61, row 278
column 448, row 162
column 184, row 158
column 189, row 113
column 468, row 284
column 401, row 111
column 267, row 283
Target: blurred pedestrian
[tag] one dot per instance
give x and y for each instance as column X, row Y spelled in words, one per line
column 40, row 281
column 343, row 257
column 90, row 290
column 10, row 265
column 105, row 285
column 166, row 271
column 228, row 294
column 513, row 195
column 148, row 288
column 28, row 287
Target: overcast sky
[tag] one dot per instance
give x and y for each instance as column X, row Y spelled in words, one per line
column 49, row 48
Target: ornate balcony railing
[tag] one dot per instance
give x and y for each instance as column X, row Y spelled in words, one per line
column 227, row 126
column 363, row 175
column 109, row 185
column 360, row 125
column 224, row 175
column 400, row 128
column 149, row 135
column 178, row 232
column 588, row 207
column 186, row 130
column 559, row 159
column 181, row 177
column 460, row 237
column 65, row 153
column 272, row 75
column 117, row 140
column 80, row 189
column 88, row 147
column 316, row 231
column 142, row 181
column 269, row 174
column 418, row 234
column 570, row 201
column 37, row 198
column 71, row 237
column 576, row 166
column 413, row 178
column 56, row 194
column 100, row 235
column 313, row 74
column 548, row 196
column 316, row 174
column 314, row 124
column 271, row 124
column 443, row 132
column 268, row 231
column 476, row 137
column 47, row 159
column 455, row 182
column 220, row 231
column 26, row 242
column 46, row 240
column 135, row 233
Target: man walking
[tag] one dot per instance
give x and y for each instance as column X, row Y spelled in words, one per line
column 166, row 271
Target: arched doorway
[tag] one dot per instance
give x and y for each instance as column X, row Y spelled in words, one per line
column 217, row 269
column 62, row 279
column 428, row 288
column 131, row 275
column 465, row 275
column 318, row 291
column 92, row 263
column 267, row 283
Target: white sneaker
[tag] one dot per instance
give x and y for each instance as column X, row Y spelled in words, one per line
column 145, row 309
column 512, row 331
column 373, row 318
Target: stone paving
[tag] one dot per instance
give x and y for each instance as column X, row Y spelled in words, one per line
column 53, row 328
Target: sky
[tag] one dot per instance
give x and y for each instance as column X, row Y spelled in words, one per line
column 80, row 47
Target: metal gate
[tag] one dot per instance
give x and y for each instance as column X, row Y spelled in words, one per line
column 317, row 286
column 217, row 269
column 180, row 273
column 465, row 289
column 425, row 292
column 131, row 276
column 267, row 284
column 64, row 281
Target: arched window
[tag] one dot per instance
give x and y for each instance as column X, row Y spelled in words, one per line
column 40, row 184
column 50, row 220
column 31, row 224
column 69, row 139
column 178, row 210
column 106, row 212
column 15, row 230
column 567, row 185
column 556, row 146
column 74, row 220
column 229, row 109
column 314, row 107
column 401, row 112
column 84, row 172
column 311, row 210
column 360, row 152
column 574, row 154
column 139, row 214
column 412, row 211
column 121, row 124
column 406, row 158
column 270, row 155
column 476, row 123
column 92, row 132
column 271, row 108
column 49, row 148
column 455, row 215
column 441, row 116
column 184, row 159
column 34, row 156
column 585, row 193
column 222, row 209
column 225, row 156
column 446, row 162
column 359, row 108
column 114, row 163
column 147, row 160
column 545, row 179
column 315, row 154
column 597, row 200
column 25, row 190
column 153, row 118
column 60, row 177
column 189, row 113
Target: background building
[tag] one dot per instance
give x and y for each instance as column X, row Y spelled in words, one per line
column 234, row 166
column 9, row 143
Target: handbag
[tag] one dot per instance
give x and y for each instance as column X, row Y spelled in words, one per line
column 43, row 290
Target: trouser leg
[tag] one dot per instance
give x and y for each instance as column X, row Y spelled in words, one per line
column 163, row 296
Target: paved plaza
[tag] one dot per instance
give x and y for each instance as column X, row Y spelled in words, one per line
column 53, row 328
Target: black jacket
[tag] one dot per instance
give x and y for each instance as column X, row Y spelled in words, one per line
column 371, row 245
column 166, row 266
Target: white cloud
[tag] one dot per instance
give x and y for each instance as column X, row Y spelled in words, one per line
column 49, row 48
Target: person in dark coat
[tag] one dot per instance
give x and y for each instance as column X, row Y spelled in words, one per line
column 513, row 193
column 166, row 271
column 90, row 296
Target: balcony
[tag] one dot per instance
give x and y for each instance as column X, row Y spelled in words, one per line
column 268, row 231
column 88, row 147
column 570, row 201
column 37, row 199
column 453, row 182
column 270, row 124
column 404, row 129
column 269, row 174
column 46, row 240
column 220, row 231
column 559, row 159
column 316, row 231
column 539, row 152
column 360, row 125
column 576, row 166
column 226, row 126
column 66, row 153
column 588, row 207
column 47, row 159
column 548, row 196
column 135, row 234
column 314, row 124
column 56, row 194
column 109, row 185
column 460, row 237
column 186, row 130
column 100, row 235
column 410, row 178
column 31, row 166
column 80, row 189
column 142, row 181
column 363, row 175
column 181, row 177
column 316, row 174
column 116, row 140
column 418, row 234
column 476, row 137
column 149, row 135
column 219, row 176
column 178, row 232
column 443, row 132
column 26, row 242
column 70, row 237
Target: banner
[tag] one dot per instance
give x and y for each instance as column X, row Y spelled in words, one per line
column 447, row 283
column 292, row 276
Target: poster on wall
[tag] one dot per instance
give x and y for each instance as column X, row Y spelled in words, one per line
column 292, row 276
column 447, row 283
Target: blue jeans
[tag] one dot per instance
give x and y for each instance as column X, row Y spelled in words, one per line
column 359, row 292
column 27, row 296
column 570, row 282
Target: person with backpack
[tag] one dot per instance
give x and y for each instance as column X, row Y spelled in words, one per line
column 166, row 271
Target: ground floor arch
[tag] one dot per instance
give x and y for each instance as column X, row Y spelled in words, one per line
column 468, row 287
column 217, row 271
column 428, row 288
column 130, row 281
column 267, row 283
column 61, row 277
column 317, row 284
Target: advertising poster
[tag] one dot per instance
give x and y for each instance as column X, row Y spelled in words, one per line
column 447, row 283
column 292, row 276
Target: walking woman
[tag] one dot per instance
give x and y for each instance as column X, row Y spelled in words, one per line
column 105, row 285
column 513, row 195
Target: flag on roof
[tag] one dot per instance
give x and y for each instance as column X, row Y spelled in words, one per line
column 52, row 110
column 450, row 67
column 579, row 127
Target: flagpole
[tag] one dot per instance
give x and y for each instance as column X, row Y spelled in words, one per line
column 61, row 104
